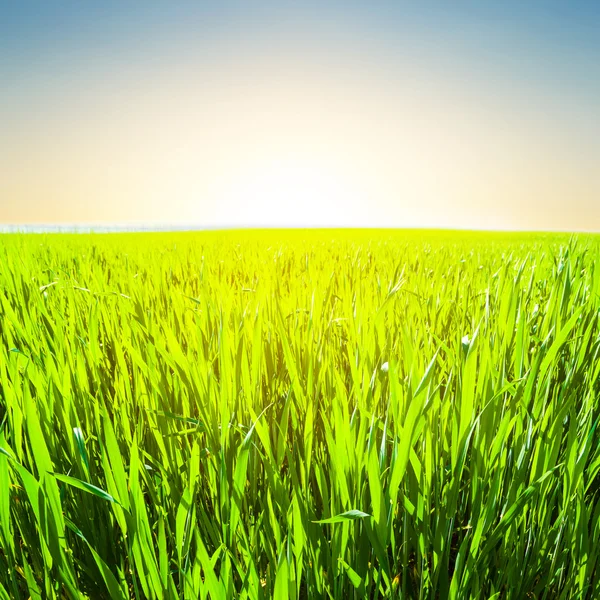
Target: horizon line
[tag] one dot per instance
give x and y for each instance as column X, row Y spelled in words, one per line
column 83, row 228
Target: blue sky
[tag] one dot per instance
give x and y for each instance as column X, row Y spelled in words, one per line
column 506, row 93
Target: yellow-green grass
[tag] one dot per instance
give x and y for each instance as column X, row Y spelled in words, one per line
column 299, row 414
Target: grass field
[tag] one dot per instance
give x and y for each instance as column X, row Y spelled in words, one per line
column 329, row 414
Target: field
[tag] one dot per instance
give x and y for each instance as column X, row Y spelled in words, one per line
column 289, row 414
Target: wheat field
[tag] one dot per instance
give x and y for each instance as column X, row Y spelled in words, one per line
column 300, row 414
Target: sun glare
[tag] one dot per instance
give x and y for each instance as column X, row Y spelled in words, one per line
column 291, row 191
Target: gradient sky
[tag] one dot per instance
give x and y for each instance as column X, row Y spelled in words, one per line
column 441, row 114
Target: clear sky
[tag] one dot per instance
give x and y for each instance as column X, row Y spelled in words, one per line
column 461, row 114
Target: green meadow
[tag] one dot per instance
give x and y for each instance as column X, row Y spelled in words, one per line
column 327, row 414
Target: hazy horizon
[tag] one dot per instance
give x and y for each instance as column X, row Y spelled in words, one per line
column 101, row 228
column 226, row 115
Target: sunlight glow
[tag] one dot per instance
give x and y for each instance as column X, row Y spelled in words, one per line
column 292, row 191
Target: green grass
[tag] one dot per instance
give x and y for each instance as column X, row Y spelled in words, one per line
column 289, row 414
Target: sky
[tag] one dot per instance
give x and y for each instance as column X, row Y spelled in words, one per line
column 465, row 114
